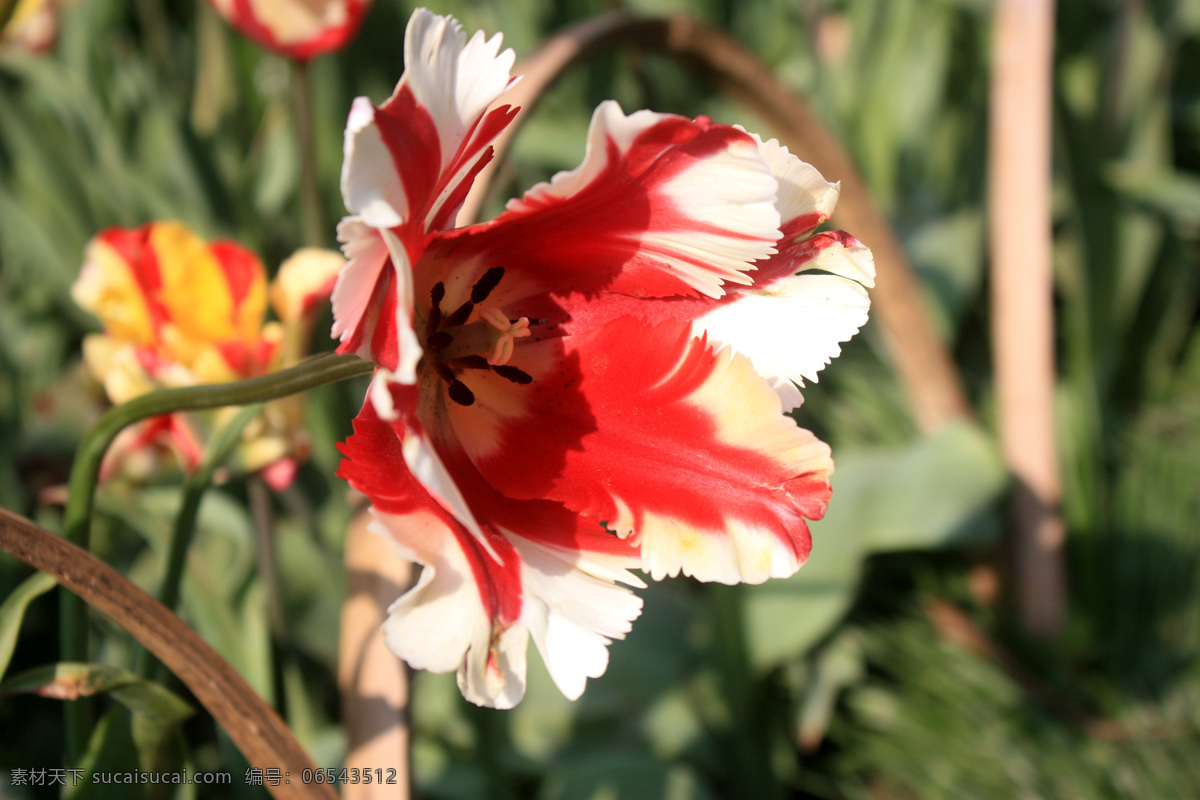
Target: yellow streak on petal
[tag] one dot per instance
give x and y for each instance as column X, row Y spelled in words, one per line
column 748, row 414
column 252, row 309
column 107, row 287
column 194, row 288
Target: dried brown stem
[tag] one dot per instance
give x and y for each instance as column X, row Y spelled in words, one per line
column 925, row 367
column 254, row 727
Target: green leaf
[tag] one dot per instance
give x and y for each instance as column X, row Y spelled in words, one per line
column 12, row 611
column 628, row 775
column 1173, row 193
column 931, row 493
column 69, row 681
column 926, row 495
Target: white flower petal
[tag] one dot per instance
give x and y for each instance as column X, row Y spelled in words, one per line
column 366, row 255
column 495, row 677
column 803, row 191
column 709, row 214
column 791, row 329
column 455, row 81
column 573, row 610
column 441, row 625
column 371, row 186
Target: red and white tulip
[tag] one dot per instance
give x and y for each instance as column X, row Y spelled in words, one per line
column 593, row 382
column 299, row 29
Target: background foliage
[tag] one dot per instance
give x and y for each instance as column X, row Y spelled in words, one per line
column 842, row 682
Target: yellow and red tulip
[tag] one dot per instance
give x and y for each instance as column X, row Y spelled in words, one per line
column 593, row 382
column 178, row 311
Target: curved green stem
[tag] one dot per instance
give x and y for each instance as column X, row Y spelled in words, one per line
column 85, row 474
column 219, row 450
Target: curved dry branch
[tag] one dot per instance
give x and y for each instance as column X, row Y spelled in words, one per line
column 925, row 367
column 254, row 727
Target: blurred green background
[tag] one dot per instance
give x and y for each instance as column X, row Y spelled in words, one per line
column 845, row 681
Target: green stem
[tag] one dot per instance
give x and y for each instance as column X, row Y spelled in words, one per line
column 156, row 32
column 85, row 473
column 312, row 218
column 260, row 514
column 219, row 450
column 749, row 741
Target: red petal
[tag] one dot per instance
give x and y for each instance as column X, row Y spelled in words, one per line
column 622, row 221
column 375, row 466
column 653, row 432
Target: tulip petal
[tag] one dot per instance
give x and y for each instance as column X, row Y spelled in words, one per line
column 412, row 160
column 791, row 327
column 299, row 29
column 660, row 206
column 373, row 301
column 119, row 284
column 539, row 570
column 805, row 198
column 683, row 448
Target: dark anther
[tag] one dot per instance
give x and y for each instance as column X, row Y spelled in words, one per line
column 435, row 312
column 439, row 341
column 484, row 286
column 460, row 394
column 460, row 315
column 444, row 372
column 513, row 374
column 474, row 362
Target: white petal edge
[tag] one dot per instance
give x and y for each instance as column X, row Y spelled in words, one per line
column 802, row 188
column 371, row 186
column 366, row 254
column 366, row 250
column 739, row 553
column 574, row 610
column 791, row 329
column 440, row 625
column 854, row 262
column 453, row 79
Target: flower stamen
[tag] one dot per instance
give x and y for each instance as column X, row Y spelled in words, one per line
column 514, row 374
column 460, row 394
column 486, row 284
column 509, row 330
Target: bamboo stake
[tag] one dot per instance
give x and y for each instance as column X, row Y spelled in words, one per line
column 372, row 680
column 1022, row 303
